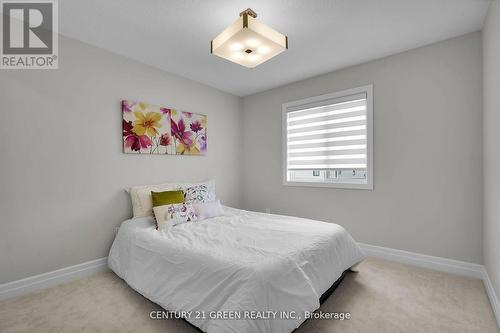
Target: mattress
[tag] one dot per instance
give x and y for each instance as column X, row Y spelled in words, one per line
column 241, row 272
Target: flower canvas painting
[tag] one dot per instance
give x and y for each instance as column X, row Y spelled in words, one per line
column 151, row 129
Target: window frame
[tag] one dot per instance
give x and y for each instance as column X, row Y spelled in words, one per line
column 368, row 89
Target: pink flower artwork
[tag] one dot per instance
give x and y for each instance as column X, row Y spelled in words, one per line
column 151, row 129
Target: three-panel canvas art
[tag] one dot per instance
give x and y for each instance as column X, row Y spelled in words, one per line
column 152, row 129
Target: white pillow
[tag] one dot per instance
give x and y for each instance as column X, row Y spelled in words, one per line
column 198, row 194
column 142, row 204
column 168, row 216
column 210, row 184
column 208, row 209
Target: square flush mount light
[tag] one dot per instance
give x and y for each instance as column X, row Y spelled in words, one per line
column 248, row 42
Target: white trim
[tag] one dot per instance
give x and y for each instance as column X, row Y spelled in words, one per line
column 426, row 261
column 50, row 279
column 495, row 304
column 368, row 89
column 439, row 264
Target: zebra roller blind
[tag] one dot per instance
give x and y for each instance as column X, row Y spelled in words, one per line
column 327, row 138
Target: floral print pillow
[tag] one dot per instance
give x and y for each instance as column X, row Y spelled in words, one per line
column 198, row 194
column 168, row 216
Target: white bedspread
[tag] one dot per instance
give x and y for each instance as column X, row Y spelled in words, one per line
column 243, row 261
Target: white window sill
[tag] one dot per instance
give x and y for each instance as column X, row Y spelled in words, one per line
column 342, row 185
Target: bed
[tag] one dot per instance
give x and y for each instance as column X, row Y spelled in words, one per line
column 260, row 272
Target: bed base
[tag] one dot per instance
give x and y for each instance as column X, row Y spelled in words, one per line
column 334, row 286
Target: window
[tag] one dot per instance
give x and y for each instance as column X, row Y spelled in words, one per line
column 327, row 140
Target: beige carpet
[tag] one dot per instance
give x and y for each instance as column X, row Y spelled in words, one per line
column 383, row 297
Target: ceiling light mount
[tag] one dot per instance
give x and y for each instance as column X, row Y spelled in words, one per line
column 249, row 12
column 248, row 41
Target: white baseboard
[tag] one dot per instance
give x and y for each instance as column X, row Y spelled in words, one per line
column 426, row 261
column 492, row 296
column 439, row 264
column 50, row 279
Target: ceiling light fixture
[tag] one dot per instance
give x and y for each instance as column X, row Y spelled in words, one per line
column 248, row 42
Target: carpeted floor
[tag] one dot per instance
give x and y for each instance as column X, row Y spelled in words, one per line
column 383, row 297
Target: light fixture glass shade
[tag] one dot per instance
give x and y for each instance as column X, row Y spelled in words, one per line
column 249, row 42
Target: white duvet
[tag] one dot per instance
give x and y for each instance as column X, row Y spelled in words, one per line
column 242, row 264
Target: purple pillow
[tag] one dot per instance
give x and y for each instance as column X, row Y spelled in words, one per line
column 208, row 209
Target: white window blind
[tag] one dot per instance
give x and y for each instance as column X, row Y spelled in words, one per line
column 327, row 139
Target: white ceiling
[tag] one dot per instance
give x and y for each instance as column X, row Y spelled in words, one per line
column 324, row 35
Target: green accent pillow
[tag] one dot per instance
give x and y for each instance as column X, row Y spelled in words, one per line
column 167, row 197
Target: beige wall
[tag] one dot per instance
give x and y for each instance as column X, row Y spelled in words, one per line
column 427, row 152
column 62, row 172
column 491, row 62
